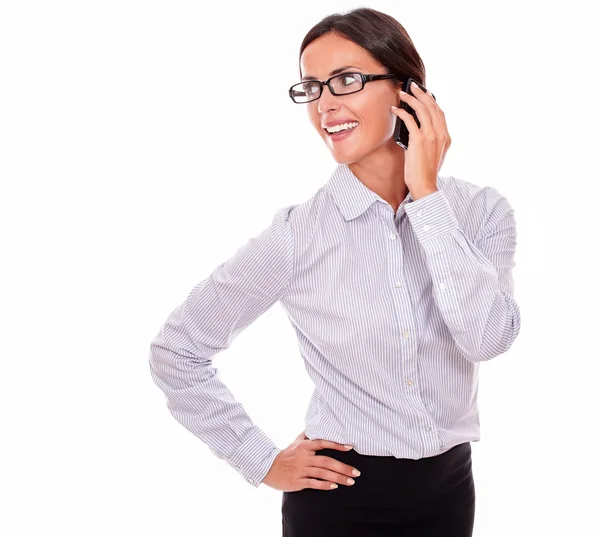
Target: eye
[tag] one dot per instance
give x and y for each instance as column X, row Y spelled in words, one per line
column 310, row 88
column 348, row 80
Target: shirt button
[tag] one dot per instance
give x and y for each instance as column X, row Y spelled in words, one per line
column 392, row 236
column 428, row 429
column 409, row 382
column 420, row 213
column 426, row 227
column 398, row 284
column 442, row 285
column 406, row 335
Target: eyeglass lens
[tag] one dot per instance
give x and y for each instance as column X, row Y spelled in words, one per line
column 340, row 85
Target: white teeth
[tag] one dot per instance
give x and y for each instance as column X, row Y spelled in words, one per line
column 342, row 127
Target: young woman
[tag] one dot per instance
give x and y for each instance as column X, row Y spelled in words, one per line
column 398, row 283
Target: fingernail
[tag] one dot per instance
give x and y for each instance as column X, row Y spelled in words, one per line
column 348, row 447
column 350, row 481
column 333, row 486
column 355, row 472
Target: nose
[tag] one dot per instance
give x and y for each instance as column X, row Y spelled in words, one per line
column 327, row 101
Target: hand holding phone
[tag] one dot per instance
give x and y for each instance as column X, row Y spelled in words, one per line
column 400, row 130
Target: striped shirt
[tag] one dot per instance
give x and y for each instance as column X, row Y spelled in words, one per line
column 393, row 314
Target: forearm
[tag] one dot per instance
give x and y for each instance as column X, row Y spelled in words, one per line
column 474, row 295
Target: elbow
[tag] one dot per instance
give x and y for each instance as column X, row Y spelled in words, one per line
column 492, row 345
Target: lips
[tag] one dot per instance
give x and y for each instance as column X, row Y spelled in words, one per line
column 335, row 122
column 342, row 134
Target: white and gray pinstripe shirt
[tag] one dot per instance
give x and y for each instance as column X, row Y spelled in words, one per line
column 393, row 315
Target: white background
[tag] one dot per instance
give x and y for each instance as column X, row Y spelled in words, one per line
column 142, row 143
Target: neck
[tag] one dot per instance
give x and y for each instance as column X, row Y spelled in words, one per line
column 382, row 171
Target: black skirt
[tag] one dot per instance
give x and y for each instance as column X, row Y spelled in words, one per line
column 430, row 497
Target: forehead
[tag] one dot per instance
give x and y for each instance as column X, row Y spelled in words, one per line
column 329, row 52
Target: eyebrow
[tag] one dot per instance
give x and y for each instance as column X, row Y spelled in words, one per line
column 333, row 73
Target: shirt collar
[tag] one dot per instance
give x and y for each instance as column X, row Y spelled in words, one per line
column 350, row 194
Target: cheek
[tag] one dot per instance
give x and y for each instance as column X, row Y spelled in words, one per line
column 379, row 125
column 376, row 116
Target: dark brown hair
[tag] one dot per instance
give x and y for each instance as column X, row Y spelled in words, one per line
column 380, row 34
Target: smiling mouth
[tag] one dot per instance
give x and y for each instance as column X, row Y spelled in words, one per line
column 341, row 135
column 342, row 131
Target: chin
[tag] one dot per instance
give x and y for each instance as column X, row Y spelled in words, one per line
column 347, row 157
column 352, row 150
column 345, row 160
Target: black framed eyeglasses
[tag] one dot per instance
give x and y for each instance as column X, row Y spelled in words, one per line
column 343, row 84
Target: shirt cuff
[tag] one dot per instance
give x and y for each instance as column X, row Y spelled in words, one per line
column 254, row 458
column 431, row 216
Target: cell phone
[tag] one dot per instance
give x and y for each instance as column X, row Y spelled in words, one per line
column 400, row 130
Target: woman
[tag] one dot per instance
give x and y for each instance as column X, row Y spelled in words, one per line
column 398, row 284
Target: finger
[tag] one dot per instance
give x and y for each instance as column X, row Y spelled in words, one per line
column 328, row 444
column 411, row 124
column 323, row 461
column 329, row 475
column 309, row 483
column 436, row 114
column 430, row 104
column 443, row 124
column 442, row 134
column 423, row 113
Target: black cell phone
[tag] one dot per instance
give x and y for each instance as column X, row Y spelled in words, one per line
column 400, row 130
